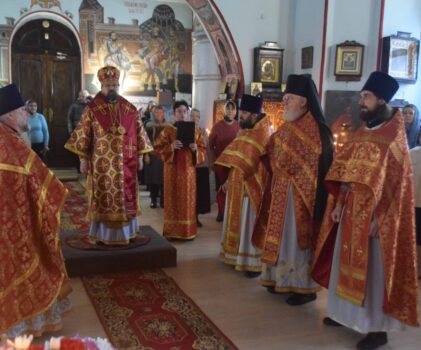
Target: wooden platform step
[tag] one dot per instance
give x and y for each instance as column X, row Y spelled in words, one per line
column 155, row 254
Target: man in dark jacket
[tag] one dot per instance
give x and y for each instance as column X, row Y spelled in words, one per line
column 76, row 110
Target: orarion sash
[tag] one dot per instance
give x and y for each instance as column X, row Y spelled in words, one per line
column 247, row 175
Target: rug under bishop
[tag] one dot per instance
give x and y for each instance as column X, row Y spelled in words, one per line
column 147, row 310
column 73, row 215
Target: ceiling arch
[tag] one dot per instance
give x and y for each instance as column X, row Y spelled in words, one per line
column 219, row 34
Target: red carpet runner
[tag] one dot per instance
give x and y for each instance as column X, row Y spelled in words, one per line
column 73, row 216
column 147, row 310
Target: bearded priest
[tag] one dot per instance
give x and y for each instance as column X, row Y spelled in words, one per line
column 110, row 141
column 365, row 253
column 244, row 176
column 300, row 154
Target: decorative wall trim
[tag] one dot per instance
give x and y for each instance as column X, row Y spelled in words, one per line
column 322, row 64
column 216, row 28
column 380, row 43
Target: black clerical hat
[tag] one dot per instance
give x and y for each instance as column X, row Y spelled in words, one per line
column 10, row 99
column 252, row 104
column 382, row 85
column 298, row 85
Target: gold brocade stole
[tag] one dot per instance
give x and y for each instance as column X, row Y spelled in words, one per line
column 294, row 155
column 276, row 218
column 355, row 226
column 255, row 186
column 234, row 209
column 237, row 189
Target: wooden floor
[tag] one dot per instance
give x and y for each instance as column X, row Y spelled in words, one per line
column 250, row 316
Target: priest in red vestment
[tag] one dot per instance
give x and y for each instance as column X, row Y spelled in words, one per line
column 179, row 176
column 366, row 252
column 33, row 279
column 299, row 153
column 245, row 178
column 110, row 141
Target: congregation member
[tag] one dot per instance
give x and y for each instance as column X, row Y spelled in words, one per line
column 148, row 113
column 412, row 121
column 38, row 130
column 33, row 280
column 366, row 250
column 245, row 176
column 299, row 155
column 203, row 204
column 76, row 110
column 179, row 176
column 110, row 141
column 222, row 133
column 154, row 167
column 73, row 117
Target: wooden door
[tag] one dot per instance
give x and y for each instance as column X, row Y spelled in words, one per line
column 49, row 73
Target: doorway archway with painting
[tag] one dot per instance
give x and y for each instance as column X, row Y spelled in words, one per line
column 46, row 66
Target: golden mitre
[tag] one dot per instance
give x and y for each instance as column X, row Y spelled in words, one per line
column 108, row 74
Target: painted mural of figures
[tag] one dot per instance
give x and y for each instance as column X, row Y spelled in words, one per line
column 175, row 56
column 117, row 56
column 163, row 47
column 46, row 3
column 156, row 52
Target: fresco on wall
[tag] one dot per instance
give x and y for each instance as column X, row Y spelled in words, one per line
column 166, row 62
column 152, row 51
column 151, row 56
column 47, row 4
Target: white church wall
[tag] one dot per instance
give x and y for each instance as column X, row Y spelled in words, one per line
column 405, row 16
column 308, row 31
column 252, row 22
column 351, row 20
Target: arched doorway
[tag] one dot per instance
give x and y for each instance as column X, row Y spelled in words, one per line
column 46, row 66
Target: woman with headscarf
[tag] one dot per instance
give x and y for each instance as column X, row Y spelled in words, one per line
column 411, row 118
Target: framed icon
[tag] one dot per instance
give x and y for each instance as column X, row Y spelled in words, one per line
column 307, row 57
column 349, row 60
column 268, row 64
column 256, row 88
column 400, row 57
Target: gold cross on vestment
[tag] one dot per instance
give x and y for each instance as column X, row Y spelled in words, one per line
column 100, row 108
column 103, row 165
column 104, row 182
column 101, row 147
column 131, row 147
column 127, row 108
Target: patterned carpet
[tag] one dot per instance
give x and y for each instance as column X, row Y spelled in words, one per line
column 146, row 310
column 67, row 174
column 73, row 215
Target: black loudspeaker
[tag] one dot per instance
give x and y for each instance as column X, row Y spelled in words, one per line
column 185, row 83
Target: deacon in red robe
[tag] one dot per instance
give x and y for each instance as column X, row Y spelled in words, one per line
column 179, row 176
column 246, row 177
